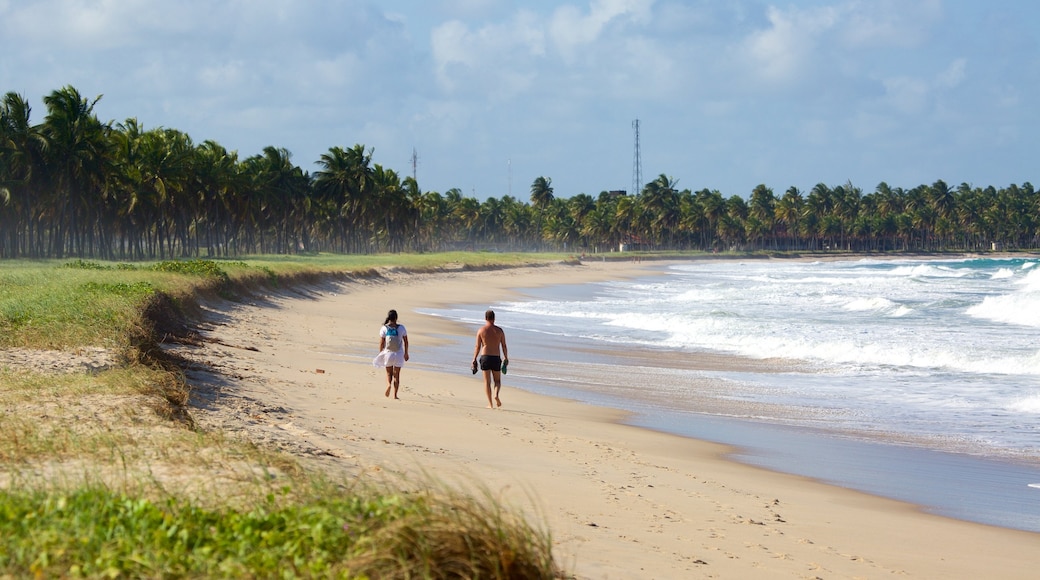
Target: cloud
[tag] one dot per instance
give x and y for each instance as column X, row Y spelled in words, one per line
column 907, row 95
column 574, row 47
column 954, row 75
column 571, row 28
column 837, row 39
column 888, row 23
column 782, row 52
column 498, row 57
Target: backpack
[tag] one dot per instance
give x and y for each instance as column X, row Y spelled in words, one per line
column 393, row 341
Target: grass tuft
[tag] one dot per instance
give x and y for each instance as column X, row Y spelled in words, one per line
column 94, row 532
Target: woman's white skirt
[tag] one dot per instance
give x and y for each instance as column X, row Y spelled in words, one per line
column 388, row 358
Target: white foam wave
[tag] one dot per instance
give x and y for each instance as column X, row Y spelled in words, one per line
column 928, row 271
column 901, row 311
column 1027, row 405
column 1031, row 281
column 1002, row 273
column 879, row 305
column 1021, row 308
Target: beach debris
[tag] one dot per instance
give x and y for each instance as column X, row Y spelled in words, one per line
column 320, row 371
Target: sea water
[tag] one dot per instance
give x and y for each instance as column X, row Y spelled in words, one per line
column 931, row 356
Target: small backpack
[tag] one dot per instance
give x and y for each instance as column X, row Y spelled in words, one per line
column 393, row 341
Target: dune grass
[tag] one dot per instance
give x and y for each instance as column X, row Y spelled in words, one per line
column 103, row 475
column 358, row 533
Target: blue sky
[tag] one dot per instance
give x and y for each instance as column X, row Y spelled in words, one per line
column 492, row 94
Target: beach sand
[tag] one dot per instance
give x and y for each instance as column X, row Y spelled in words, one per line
column 620, row 502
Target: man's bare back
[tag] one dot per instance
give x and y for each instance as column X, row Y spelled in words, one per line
column 491, row 339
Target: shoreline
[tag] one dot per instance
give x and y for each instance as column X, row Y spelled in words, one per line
column 934, row 474
column 621, row 501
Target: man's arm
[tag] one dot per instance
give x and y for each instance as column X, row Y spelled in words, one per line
column 505, row 349
column 480, row 341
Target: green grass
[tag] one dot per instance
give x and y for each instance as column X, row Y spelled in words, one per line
column 65, row 304
column 93, row 532
column 103, row 475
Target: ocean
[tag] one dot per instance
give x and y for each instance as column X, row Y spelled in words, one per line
column 912, row 379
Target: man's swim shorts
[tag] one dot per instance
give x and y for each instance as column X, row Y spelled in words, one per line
column 490, row 363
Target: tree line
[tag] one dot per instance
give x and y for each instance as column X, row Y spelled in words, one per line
column 75, row 186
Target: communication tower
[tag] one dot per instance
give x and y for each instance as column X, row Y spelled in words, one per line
column 637, row 163
column 415, row 165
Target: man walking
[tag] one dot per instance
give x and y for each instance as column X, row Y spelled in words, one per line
column 493, row 356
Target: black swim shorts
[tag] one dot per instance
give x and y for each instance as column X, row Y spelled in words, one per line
column 490, row 363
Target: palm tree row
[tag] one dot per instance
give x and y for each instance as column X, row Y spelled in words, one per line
column 73, row 185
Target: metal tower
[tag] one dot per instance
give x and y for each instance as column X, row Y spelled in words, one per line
column 637, row 163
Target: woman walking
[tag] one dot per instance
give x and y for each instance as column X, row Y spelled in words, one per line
column 393, row 351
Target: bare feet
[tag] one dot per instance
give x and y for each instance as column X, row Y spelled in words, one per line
column 388, row 392
column 498, row 402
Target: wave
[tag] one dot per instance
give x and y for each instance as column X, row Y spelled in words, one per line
column 1020, row 307
column 929, row 271
column 878, row 304
column 1027, row 405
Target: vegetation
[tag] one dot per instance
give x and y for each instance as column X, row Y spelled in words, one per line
column 95, row 532
column 102, row 473
column 75, row 186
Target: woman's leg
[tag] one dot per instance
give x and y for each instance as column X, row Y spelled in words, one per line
column 397, row 380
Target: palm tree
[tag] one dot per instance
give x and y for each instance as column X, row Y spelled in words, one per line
column 77, row 156
column 762, row 209
column 21, row 173
column 432, row 219
column 165, row 166
column 579, row 207
column 788, row 213
column 466, row 214
column 518, row 222
column 713, row 208
column 541, row 193
column 846, row 209
column 660, row 200
column 731, row 228
column 492, row 218
column 393, row 214
column 345, row 181
column 219, row 184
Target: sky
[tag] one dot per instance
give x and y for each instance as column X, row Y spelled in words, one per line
column 491, row 94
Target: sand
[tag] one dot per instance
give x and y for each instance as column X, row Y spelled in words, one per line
column 619, row 501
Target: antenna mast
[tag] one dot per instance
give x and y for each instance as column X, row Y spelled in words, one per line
column 415, row 165
column 637, row 163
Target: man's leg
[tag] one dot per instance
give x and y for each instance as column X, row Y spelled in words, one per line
column 498, row 385
column 487, row 388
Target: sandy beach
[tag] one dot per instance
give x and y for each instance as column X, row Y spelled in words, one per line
column 621, row 502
